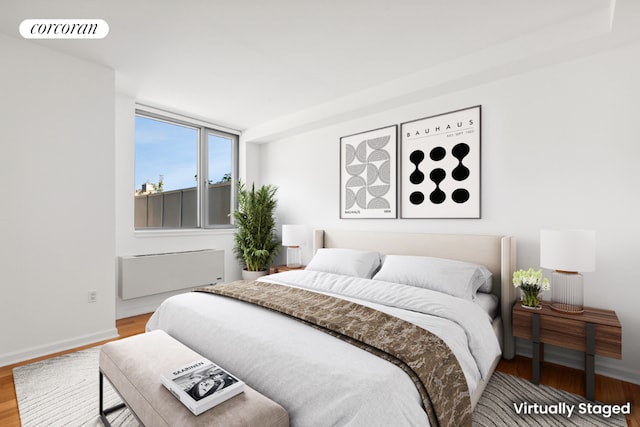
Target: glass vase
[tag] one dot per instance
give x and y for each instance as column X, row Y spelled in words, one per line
column 530, row 299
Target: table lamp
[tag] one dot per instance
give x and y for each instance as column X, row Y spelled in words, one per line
column 293, row 236
column 568, row 252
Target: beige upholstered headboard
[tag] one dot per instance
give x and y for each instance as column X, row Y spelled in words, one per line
column 497, row 253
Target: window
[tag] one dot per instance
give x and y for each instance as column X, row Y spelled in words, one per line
column 184, row 174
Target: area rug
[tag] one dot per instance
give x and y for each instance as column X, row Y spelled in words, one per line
column 512, row 401
column 63, row 391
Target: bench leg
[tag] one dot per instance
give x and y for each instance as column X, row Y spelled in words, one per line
column 104, row 412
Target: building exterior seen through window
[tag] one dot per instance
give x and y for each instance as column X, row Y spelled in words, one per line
column 184, row 174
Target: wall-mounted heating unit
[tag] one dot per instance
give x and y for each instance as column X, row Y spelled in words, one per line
column 142, row 275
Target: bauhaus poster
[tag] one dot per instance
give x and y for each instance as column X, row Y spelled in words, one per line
column 440, row 165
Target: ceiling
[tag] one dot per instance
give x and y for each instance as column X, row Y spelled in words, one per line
column 248, row 63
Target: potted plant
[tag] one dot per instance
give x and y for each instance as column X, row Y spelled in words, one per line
column 530, row 283
column 255, row 241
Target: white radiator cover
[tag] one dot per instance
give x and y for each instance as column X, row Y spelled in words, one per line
column 143, row 275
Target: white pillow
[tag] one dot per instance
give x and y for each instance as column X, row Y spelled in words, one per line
column 488, row 302
column 487, row 285
column 457, row 278
column 348, row 262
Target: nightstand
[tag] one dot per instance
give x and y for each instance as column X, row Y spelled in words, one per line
column 281, row 268
column 595, row 331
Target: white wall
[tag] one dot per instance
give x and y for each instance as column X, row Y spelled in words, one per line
column 57, row 216
column 560, row 149
column 131, row 242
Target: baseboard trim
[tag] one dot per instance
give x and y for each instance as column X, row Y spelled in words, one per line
column 143, row 305
column 56, row 347
column 575, row 359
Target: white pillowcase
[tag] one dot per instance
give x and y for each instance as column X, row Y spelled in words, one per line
column 349, row 262
column 487, row 285
column 457, row 278
column 488, row 302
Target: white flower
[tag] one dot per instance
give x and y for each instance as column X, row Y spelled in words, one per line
column 530, row 277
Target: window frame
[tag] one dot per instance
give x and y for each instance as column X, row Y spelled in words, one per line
column 204, row 129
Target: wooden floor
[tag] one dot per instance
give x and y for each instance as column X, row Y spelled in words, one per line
column 608, row 390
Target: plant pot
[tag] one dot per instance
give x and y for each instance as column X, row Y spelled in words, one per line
column 252, row 275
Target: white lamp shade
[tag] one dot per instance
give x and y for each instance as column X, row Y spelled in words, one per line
column 568, row 250
column 293, row 235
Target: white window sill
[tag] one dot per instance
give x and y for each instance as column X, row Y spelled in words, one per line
column 184, row 232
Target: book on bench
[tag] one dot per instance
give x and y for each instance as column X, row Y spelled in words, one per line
column 201, row 385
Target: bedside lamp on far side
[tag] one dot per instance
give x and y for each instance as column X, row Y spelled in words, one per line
column 293, row 236
column 568, row 252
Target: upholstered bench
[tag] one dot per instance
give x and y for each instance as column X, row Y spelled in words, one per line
column 133, row 366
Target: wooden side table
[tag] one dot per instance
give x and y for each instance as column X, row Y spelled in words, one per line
column 595, row 331
column 281, row 268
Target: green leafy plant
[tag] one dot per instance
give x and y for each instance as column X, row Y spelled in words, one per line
column 531, row 282
column 255, row 242
column 160, row 184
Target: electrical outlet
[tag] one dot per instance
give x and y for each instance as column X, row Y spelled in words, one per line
column 93, row 296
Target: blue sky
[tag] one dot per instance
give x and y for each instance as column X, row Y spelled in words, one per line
column 171, row 151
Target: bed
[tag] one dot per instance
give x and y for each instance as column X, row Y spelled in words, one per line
column 323, row 380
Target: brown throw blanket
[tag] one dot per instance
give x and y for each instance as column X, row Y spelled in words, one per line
column 422, row 355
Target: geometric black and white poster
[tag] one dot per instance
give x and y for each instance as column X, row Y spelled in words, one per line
column 440, row 166
column 368, row 174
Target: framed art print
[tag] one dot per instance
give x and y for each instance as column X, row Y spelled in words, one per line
column 440, row 166
column 368, row 175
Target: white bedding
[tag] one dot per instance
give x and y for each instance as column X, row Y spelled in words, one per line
column 488, row 302
column 321, row 380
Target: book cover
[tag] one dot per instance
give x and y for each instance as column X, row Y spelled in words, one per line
column 201, row 385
